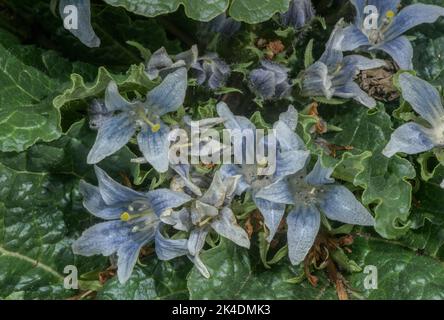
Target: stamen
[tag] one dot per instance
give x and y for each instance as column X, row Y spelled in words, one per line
column 390, row 14
column 204, row 222
column 125, row 216
column 154, row 126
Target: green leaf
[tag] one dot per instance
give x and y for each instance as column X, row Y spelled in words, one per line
column 229, row 265
column 384, row 180
column 250, row 11
column 157, row 280
column 41, row 214
column 402, row 273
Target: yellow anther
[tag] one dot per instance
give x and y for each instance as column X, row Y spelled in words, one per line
column 125, row 216
column 390, row 14
column 155, row 127
column 262, row 162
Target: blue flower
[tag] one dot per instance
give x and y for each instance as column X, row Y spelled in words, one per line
column 127, row 116
column 98, row 114
column 299, row 14
column 270, row 81
column 389, row 28
column 161, row 64
column 132, row 221
column 81, row 28
column 291, row 156
column 412, row 138
column 333, row 74
column 210, row 211
column 224, row 25
column 310, row 194
column 212, row 70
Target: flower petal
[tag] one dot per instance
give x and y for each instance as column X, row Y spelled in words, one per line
column 401, row 50
column 410, row 138
column 290, row 162
column 196, row 240
column 423, row 97
column 290, row 117
column 179, row 220
column 231, row 121
column 303, row 225
column 170, row 94
column 353, row 38
column 317, row 82
column 339, row 204
column 167, row 249
column 113, row 100
column 112, row 135
column 155, row 146
column 272, row 213
column 226, row 225
column 262, row 83
column 352, row 90
column 320, row 175
column 278, row 192
column 230, row 170
column 412, row 16
column 299, row 13
column 158, row 60
column 183, row 170
column 163, row 199
column 215, row 195
column 93, row 202
column 84, row 31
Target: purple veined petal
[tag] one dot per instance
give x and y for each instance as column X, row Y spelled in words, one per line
column 178, row 219
column 320, row 175
column 230, row 170
column 359, row 7
column 169, row 95
column 128, row 253
column 114, row 133
column 363, row 63
column 412, row 16
column 332, row 56
column 82, row 29
column 339, row 204
column 410, row 138
column 352, row 90
column 272, row 213
column 262, row 83
column 163, row 199
column 155, row 146
column 189, row 56
column 215, row 195
column 283, row 90
column 231, row 121
column 196, row 240
column 287, row 138
column 423, row 97
column 280, row 71
column 290, row 162
column 278, row 192
column 113, row 100
column 102, row 238
column 93, row 202
column 114, row 193
column 303, row 225
column 290, row 117
column 299, row 13
column 159, row 60
column 220, row 71
column 167, row 249
column 317, row 82
column 226, row 225
column 353, row 39
column 401, row 51
column 199, row 73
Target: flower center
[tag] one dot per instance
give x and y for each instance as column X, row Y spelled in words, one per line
column 302, row 191
column 137, row 209
column 151, row 123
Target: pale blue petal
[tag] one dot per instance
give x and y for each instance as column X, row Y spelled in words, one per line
column 287, row 138
column 280, row 71
column 332, row 56
column 159, row 60
column 167, row 249
column 320, row 175
column 231, row 121
column 412, row 16
column 112, row 192
column 290, row 117
column 163, row 199
column 230, row 170
column 362, row 63
column 401, row 50
column 113, row 100
column 262, row 83
column 112, row 135
column 290, row 162
column 179, row 220
column 183, row 170
column 352, row 90
column 84, row 31
column 272, row 213
column 278, row 192
column 170, row 94
column 303, row 225
column 423, row 97
column 339, row 204
column 200, row 266
column 93, row 202
column 215, row 195
column 317, row 82
column 196, row 240
column 226, row 225
column 410, row 138
column 299, row 13
column 155, row 146
column 189, row 57
column 353, row 39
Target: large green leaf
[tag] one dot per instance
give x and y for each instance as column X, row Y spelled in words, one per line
column 41, row 213
column 402, row 273
column 232, row 277
column 250, row 11
column 155, row 280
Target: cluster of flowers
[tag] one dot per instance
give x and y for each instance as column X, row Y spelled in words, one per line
column 179, row 219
